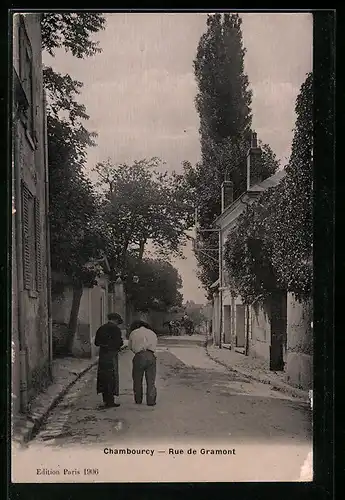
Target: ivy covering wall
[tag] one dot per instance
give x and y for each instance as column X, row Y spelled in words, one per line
column 271, row 245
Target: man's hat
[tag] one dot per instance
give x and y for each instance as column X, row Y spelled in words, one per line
column 116, row 317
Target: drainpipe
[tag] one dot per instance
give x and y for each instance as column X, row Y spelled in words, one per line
column 220, row 287
column 247, row 306
column 48, row 260
column 247, row 331
column 20, row 270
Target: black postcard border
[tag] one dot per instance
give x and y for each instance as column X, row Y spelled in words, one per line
column 324, row 292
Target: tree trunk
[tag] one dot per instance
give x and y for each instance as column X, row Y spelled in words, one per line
column 141, row 249
column 73, row 320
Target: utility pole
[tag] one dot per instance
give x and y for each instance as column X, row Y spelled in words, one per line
column 247, row 331
column 205, row 251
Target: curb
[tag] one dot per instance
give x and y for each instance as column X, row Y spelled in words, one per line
column 33, row 424
column 281, row 387
column 199, row 343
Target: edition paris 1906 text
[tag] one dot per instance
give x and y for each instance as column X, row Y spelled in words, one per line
column 67, row 472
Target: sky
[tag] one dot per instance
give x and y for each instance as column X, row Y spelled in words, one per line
column 139, row 92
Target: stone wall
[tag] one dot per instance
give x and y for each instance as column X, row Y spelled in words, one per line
column 29, row 167
column 299, row 368
column 99, row 309
column 15, row 373
column 92, row 314
column 82, row 339
column 216, row 320
column 260, row 332
column 61, row 305
column 61, row 310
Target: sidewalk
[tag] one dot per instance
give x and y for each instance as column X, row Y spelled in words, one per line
column 194, row 339
column 66, row 371
column 255, row 369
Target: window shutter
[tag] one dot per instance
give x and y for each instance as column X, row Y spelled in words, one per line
column 21, row 51
column 33, row 87
column 26, row 237
column 38, row 244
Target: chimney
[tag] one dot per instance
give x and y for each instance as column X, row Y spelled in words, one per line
column 227, row 194
column 253, row 162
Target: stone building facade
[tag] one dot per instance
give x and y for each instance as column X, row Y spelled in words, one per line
column 235, row 325
column 31, row 330
column 278, row 331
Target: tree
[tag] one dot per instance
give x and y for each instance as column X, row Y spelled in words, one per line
column 140, row 205
column 292, row 223
column 223, row 101
column 158, row 286
column 196, row 312
column 271, row 246
column 223, row 104
column 72, row 31
column 75, row 237
column 248, row 252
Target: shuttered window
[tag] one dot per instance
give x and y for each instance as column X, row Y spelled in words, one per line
column 27, row 76
column 26, row 199
column 38, row 244
column 32, row 255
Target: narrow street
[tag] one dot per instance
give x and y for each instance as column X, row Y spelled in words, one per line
column 198, row 401
column 191, row 215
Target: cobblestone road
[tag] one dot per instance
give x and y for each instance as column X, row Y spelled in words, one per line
column 197, row 400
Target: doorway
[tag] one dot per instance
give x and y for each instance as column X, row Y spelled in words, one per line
column 240, row 325
column 227, row 324
column 278, row 330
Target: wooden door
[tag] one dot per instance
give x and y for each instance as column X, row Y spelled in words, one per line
column 240, row 325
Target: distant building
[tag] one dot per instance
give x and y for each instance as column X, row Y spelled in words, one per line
column 232, row 320
column 237, row 320
column 31, row 326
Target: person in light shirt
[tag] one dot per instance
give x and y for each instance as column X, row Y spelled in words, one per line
column 143, row 342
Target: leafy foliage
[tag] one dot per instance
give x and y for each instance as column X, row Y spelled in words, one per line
column 143, row 204
column 158, row 286
column 75, row 236
column 271, row 247
column 223, row 103
column 196, row 312
column 72, row 31
column 73, row 233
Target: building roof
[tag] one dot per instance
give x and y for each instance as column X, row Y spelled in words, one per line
column 215, row 284
column 269, row 182
column 256, row 189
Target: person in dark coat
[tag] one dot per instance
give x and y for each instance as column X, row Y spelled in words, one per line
column 109, row 340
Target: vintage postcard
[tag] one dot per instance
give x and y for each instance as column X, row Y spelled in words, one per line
column 162, row 313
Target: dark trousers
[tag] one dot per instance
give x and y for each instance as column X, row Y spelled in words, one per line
column 108, row 398
column 144, row 362
column 108, row 376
